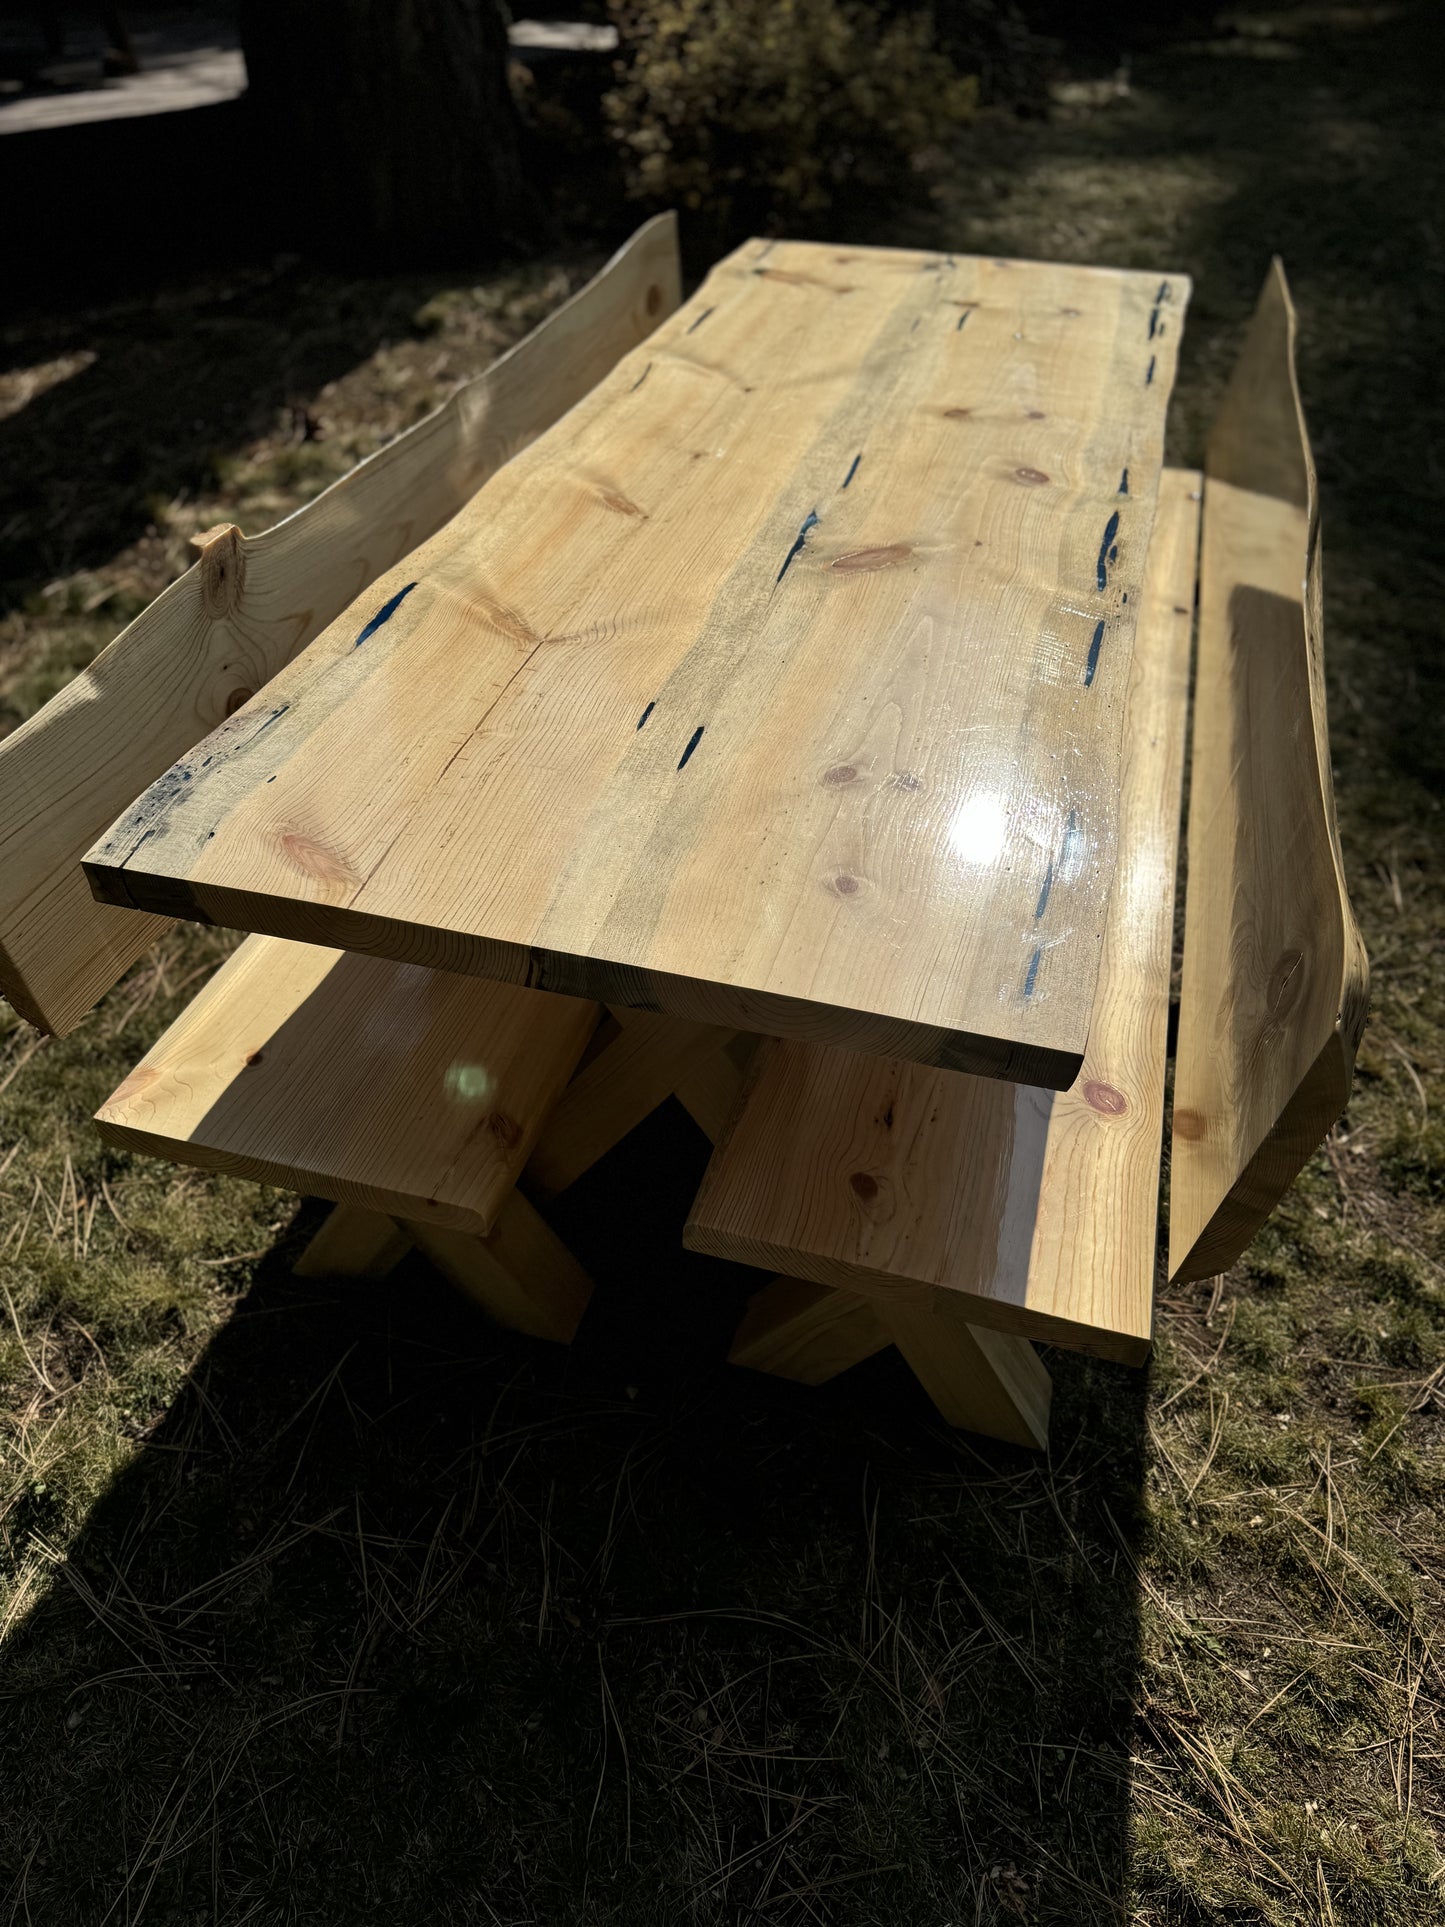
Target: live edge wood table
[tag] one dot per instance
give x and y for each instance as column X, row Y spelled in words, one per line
column 781, row 688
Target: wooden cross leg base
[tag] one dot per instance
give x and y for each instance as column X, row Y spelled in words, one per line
column 520, row 1271
column 521, row 1274
column 981, row 1381
column 525, row 1277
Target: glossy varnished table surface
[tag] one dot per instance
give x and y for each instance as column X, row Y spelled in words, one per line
column 779, row 685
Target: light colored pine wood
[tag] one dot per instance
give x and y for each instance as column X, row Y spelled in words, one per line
column 243, row 611
column 354, row 1243
column 982, row 1381
column 807, row 1332
column 768, row 690
column 378, row 1084
column 1038, row 1212
column 620, row 1086
column 1276, row 981
column 523, row 1273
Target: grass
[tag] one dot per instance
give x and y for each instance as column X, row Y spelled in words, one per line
column 337, row 1605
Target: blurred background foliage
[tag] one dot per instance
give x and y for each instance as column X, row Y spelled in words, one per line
column 751, row 112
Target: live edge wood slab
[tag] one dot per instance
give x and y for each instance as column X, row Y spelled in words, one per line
column 779, row 686
column 230, row 623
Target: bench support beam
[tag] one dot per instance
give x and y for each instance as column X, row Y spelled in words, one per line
column 981, row 1381
column 807, row 1332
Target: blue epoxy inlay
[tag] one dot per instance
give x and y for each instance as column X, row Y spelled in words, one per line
column 1124, row 483
column 693, row 328
column 383, row 614
column 853, row 470
column 810, row 521
column 1094, row 647
column 1110, row 531
column 1033, row 972
column 1043, row 902
column 693, row 742
column 645, row 714
column 961, row 319
column 1150, row 376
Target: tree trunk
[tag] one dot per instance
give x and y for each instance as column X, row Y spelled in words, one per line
column 389, row 127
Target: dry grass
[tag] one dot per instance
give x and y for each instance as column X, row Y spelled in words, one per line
column 339, row 1606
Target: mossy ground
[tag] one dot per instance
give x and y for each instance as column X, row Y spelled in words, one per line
column 334, row 1605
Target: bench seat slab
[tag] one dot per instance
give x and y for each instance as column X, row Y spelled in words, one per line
column 1038, row 1213
column 405, row 1090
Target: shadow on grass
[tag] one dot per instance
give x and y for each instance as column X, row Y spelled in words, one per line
column 401, row 1617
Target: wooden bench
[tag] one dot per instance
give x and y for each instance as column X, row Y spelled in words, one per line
column 961, row 1219
column 395, row 1090
column 954, row 1216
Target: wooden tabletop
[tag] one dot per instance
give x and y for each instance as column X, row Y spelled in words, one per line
column 780, row 685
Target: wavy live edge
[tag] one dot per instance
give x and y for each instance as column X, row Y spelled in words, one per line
column 1276, row 981
column 779, row 687
column 216, row 636
column 1031, row 1215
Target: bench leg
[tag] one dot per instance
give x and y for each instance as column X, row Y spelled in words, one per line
column 522, row 1273
column 981, row 1381
column 708, row 1092
column 354, row 1243
column 623, row 1083
column 806, row 1332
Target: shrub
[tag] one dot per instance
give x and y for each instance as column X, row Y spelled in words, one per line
column 755, row 111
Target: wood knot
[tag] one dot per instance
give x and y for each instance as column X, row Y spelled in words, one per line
column 653, row 300
column 1190, row 1125
column 864, row 1186
column 505, row 1129
column 1035, row 415
column 839, row 774
column 316, row 859
column 1034, row 477
column 1107, row 1099
column 956, row 414
column 845, row 885
column 140, row 1079
column 238, row 699
column 619, row 503
column 253, row 1057
column 861, row 560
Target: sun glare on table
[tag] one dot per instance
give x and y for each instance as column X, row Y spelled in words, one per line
column 977, row 831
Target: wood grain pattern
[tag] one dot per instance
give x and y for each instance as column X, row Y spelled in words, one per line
column 780, row 687
column 221, row 632
column 1276, row 981
column 385, row 1085
column 1038, row 1212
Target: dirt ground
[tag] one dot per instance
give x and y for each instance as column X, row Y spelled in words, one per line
column 339, row 1605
